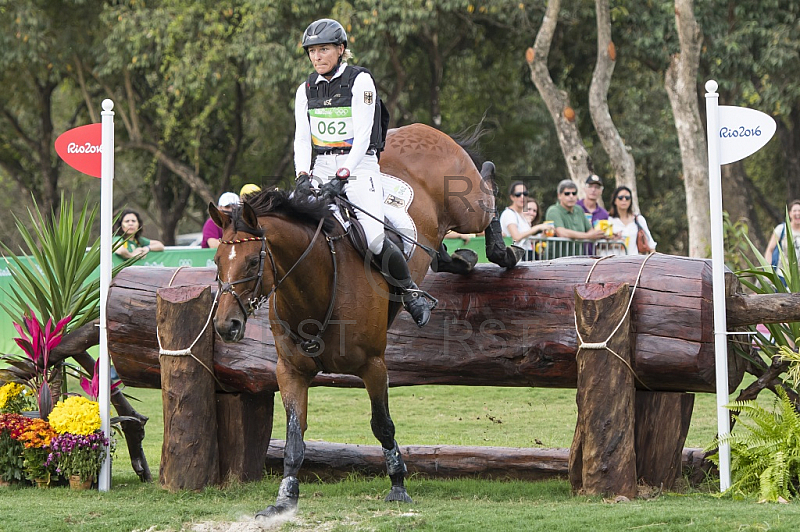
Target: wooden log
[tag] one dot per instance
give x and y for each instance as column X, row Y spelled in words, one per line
column 752, row 309
column 495, row 326
column 244, row 427
column 337, row 460
column 189, row 454
column 662, row 423
column 602, row 458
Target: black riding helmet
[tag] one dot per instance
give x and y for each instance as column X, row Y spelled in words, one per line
column 324, row 31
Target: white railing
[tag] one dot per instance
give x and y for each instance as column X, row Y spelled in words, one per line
column 555, row 247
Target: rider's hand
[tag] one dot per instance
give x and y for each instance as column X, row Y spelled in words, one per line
column 302, row 183
column 333, row 188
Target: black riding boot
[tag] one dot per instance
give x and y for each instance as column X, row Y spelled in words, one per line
column 395, row 268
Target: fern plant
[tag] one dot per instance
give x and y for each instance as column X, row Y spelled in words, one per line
column 765, row 449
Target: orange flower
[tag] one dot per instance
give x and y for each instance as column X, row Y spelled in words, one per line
column 37, row 434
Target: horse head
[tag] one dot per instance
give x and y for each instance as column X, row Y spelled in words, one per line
column 241, row 268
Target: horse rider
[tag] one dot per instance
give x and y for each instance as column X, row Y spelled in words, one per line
column 338, row 118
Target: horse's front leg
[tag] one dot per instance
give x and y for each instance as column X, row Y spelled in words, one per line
column 294, row 393
column 377, row 384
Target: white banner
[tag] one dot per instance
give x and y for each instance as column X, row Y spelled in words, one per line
column 742, row 132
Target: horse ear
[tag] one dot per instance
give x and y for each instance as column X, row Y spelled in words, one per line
column 220, row 218
column 249, row 215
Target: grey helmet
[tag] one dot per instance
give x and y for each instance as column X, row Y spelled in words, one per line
column 324, row 31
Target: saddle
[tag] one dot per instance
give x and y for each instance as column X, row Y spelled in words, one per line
column 351, row 227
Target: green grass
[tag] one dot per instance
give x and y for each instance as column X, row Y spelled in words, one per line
column 423, row 415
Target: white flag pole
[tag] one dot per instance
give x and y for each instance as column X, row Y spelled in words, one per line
column 106, row 215
column 718, row 278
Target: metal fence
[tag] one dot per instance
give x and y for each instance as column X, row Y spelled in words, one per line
column 555, row 247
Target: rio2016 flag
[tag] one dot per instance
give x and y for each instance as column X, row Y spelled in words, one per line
column 733, row 134
column 90, row 150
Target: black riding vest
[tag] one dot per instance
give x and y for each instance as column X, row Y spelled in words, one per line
column 338, row 92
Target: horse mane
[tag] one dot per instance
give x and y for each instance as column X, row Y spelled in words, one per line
column 468, row 140
column 302, row 207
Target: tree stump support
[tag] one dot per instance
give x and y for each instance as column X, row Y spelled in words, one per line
column 244, row 429
column 602, row 457
column 189, row 453
column 662, row 423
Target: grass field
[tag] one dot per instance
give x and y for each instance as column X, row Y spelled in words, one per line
column 423, row 415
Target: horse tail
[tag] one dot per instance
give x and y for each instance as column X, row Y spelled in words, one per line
column 468, row 140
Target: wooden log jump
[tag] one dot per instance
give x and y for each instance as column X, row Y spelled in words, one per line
column 493, row 327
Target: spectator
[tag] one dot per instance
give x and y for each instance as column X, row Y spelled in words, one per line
column 212, row 233
column 780, row 234
column 128, row 228
column 250, row 189
column 569, row 221
column 594, row 190
column 625, row 223
column 517, row 223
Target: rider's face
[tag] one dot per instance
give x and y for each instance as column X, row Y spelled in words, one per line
column 324, row 57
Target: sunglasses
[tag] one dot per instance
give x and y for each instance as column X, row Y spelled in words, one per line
column 518, row 194
column 570, row 193
column 626, row 198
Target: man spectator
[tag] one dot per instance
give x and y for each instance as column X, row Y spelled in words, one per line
column 569, row 221
column 212, row 233
column 593, row 189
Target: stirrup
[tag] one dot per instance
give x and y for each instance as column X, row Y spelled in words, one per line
column 415, row 293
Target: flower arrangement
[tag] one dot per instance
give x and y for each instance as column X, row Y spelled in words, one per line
column 76, row 415
column 79, row 447
column 75, row 454
column 11, row 449
column 36, row 439
column 13, row 399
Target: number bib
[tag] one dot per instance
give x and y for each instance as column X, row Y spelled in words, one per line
column 332, row 127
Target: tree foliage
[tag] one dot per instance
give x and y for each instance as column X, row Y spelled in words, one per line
column 204, row 91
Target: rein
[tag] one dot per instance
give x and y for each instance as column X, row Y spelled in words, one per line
column 310, row 346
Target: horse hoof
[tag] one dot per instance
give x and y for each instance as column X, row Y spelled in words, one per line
column 273, row 511
column 398, row 494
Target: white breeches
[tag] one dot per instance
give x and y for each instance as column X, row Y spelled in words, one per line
column 363, row 189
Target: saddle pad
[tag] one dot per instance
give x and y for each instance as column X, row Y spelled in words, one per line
column 397, row 198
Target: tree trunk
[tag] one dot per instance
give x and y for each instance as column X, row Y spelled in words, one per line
column 681, row 85
column 789, row 134
column 602, row 460
column 557, row 101
column 738, row 204
column 514, row 328
column 618, row 153
column 189, row 454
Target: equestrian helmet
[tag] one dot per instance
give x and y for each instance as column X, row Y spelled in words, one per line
column 324, row 31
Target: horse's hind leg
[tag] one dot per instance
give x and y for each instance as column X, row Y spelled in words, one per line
column 294, row 393
column 377, row 384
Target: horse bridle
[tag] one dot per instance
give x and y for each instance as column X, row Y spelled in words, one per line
column 311, row 346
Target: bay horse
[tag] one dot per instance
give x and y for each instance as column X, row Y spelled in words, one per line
column 272, row 247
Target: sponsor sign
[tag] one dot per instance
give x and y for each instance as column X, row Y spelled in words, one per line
column 81, row 148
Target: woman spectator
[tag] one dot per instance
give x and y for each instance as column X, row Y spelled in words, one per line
column 781, row 234
column 517, row 223
column 625, row 223
column 128, row 228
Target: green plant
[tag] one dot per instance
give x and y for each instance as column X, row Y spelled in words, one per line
column 78, row 454
column 36, row 440
column 34, row 369
column 765, row 449
column 54, row 275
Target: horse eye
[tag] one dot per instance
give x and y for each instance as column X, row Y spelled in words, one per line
column 252, row 263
